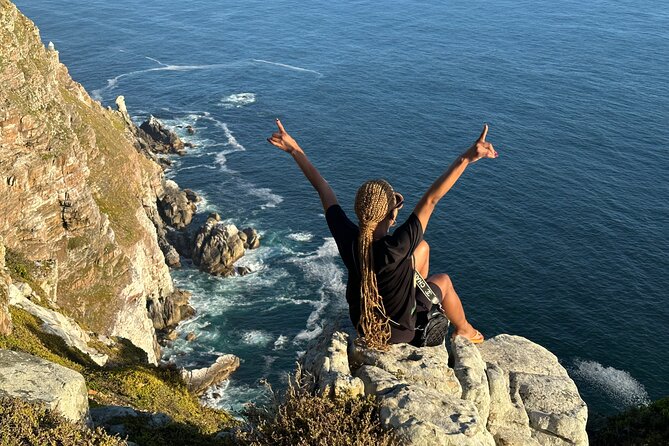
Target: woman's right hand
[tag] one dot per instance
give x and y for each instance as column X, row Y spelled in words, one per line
column 284, row 141
column 481, row 148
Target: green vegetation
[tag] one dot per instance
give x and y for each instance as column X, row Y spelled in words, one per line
column 301, row 418
column 23, row 423
column 143, row 387
column 28, row 337
column 640, row 426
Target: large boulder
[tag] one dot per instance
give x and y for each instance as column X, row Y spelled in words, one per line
column 37, row 380
column 175, row 207
column 199, row 380
column 167, row 312
column 167, row 140
column 217, row 247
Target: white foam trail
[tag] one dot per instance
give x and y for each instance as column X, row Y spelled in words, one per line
column 617, row 384
column 266, row 194
column 113, row 82
column 197, row 166
column 301, row 236
column 290, row 67
column 238, row 100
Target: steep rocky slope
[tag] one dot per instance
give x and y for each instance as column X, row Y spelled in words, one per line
column 77, row 196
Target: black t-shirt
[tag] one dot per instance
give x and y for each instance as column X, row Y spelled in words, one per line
column 393, row 265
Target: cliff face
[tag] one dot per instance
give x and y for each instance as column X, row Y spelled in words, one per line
column 76, row 193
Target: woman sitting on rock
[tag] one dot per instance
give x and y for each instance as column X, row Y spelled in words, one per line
column 382, row 298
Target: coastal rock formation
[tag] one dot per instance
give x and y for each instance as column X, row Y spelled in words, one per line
column 37, row 380
column 167, row 312
column 508, row 391
column 167, row 141
column 176, row 207
column 76, row 191
column 199, row 380
column 218, row 246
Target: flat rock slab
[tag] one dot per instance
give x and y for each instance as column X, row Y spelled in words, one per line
column 427, row 366
column 516, row 354
column 37, row 380
column 422, row 416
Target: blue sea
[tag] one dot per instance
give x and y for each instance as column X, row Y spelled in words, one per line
column 563, row 239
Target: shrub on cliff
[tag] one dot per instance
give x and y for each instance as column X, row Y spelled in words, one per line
column 301, row 418
column 640, row 426
column 23, row 423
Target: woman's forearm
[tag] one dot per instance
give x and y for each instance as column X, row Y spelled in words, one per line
column 325, row 192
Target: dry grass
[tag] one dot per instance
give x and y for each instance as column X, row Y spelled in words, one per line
column 300, row 418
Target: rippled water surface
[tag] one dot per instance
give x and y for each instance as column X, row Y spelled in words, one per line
column 563, row 239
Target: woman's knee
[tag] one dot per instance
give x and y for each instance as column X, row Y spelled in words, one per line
column 422, row 250
column 443, row 281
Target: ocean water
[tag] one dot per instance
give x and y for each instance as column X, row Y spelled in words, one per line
column 563, row 239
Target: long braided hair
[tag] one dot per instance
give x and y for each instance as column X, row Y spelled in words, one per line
column 374, row 200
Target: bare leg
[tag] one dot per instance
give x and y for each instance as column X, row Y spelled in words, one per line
column 422, row 258
column 453, row 306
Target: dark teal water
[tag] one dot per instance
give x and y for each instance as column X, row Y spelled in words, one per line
column 563, row 239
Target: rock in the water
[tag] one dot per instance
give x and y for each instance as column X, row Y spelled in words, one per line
column 190, row 129
column 199, row 380
column 169, row 142
column 217, row 247
column 167, row 312
column 37, row 380
column 191, row 336
column 57, row 324
column 251, row 239
column 175, row 207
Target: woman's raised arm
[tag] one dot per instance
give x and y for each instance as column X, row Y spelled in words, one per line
column 285, row 142
column 480, row 149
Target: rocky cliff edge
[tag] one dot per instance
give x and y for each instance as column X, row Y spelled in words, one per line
column 507, row 391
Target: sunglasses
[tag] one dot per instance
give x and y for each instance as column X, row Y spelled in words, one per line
column 399, row 201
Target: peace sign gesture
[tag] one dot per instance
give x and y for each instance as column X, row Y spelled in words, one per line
column 481, row 148
column 283, row 140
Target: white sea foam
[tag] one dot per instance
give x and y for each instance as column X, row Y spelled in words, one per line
column 265, row 193
column 238, row 100
column 320, row 267
column 233, row 396
column 289, row 67
column 256, row 337
column 280, row 342
column 300, row 236
column 617, row 384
